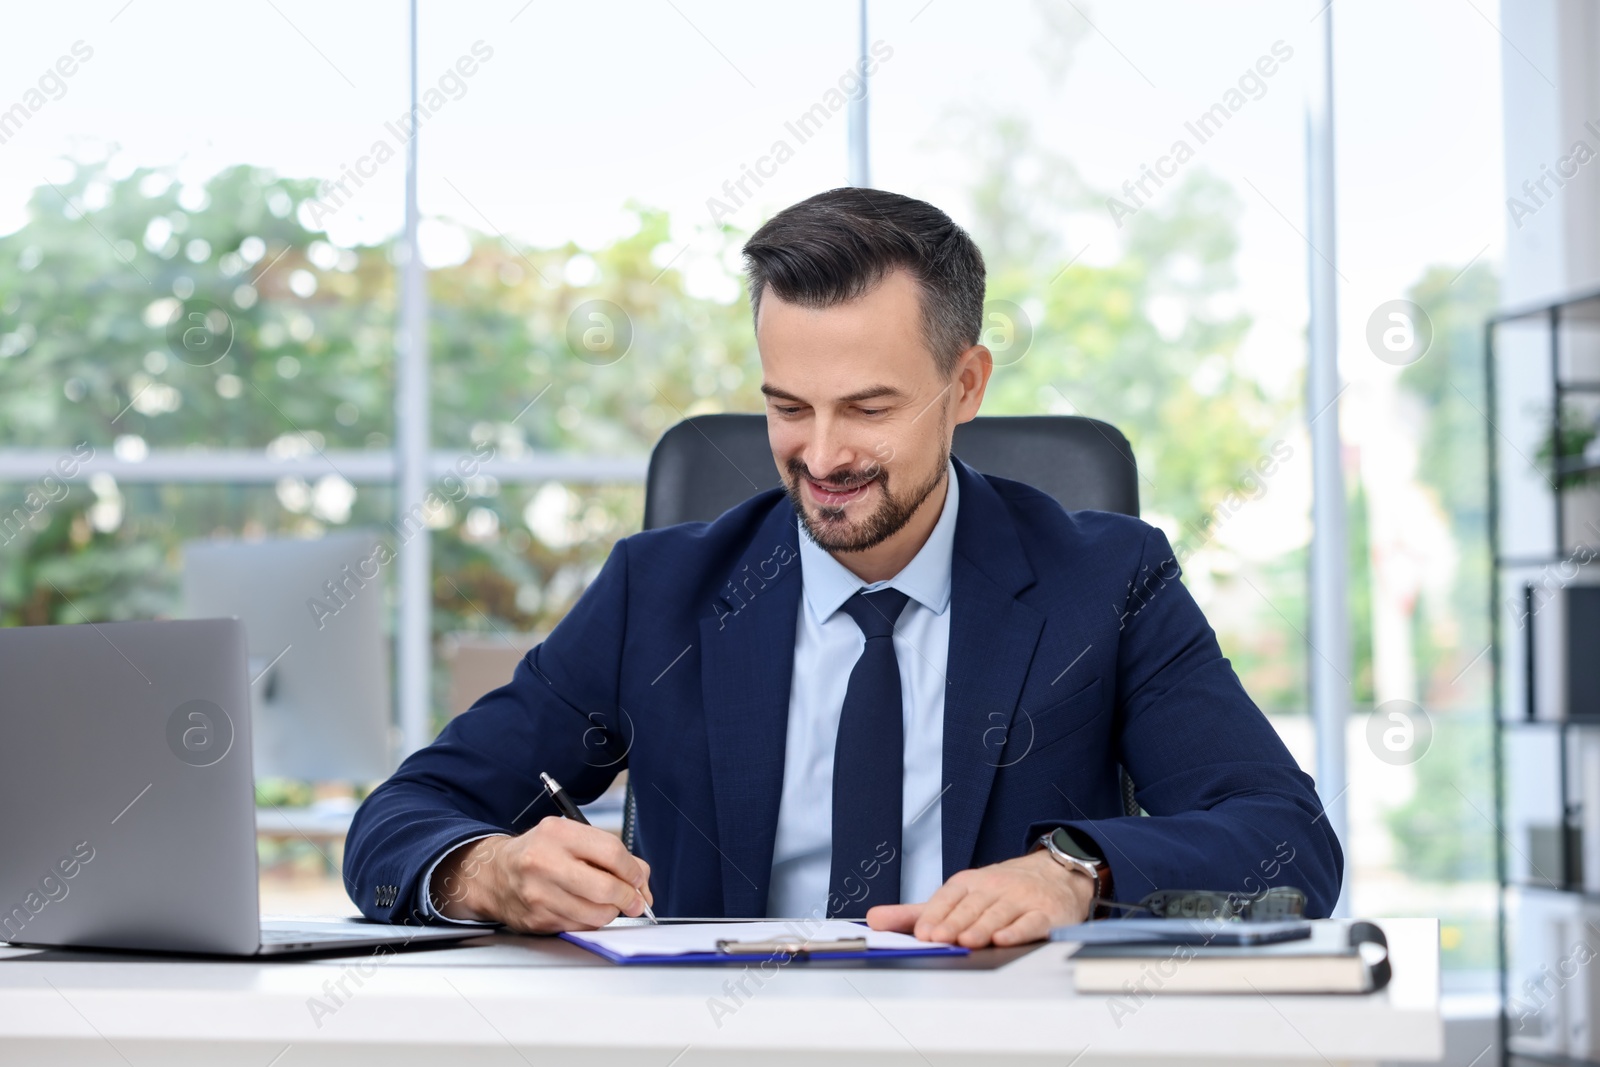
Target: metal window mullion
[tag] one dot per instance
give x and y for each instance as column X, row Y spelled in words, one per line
column 413, row 629
column 1329, row 663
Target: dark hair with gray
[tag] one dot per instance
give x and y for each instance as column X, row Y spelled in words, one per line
column 836, row 246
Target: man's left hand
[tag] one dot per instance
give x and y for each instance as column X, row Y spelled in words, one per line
column 1006, row 903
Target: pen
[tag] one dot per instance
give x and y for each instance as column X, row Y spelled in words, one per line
column 569, row 810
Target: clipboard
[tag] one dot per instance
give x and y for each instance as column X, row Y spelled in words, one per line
column 787, row 947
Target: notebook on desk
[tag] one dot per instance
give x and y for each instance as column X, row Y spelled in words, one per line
column 752, row 942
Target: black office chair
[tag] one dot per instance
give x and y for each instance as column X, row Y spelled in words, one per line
column 707, row 464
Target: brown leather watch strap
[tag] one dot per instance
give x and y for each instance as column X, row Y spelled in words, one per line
column 1102, row 891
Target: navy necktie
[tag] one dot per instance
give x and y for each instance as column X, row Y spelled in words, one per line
column 868, row 766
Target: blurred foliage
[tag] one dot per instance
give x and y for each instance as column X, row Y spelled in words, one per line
column 89, row 285
column 1266, row 650
column 1147, row 343
column 1441, row 830
column 283, row 793
column 1358, row 585
column 1452, row 462
column 1571, row 432
column 1441, row 834
column 90, row 288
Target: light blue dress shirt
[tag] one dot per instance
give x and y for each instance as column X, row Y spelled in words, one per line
column 827, row 644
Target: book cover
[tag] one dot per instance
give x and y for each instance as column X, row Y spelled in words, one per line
column 1339, row 957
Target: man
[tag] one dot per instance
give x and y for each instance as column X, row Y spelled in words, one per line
column 897, row 688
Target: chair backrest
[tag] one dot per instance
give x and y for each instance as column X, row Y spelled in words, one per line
column 709, row 463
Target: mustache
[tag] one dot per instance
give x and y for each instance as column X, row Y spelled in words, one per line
column 835, row 483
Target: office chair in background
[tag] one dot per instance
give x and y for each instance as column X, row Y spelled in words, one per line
column 707, row 464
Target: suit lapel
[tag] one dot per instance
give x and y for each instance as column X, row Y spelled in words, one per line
column 992, row 640
column 747, row 659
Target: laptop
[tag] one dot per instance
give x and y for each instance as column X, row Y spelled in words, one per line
column 129, row 800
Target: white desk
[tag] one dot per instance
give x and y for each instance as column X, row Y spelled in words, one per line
column 531, row 1000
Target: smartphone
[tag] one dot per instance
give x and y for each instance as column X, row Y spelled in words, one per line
column 1182, row 932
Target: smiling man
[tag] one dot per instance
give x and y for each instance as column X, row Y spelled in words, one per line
column 896, row 689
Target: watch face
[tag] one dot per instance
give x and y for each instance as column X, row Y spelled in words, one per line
column 1068, row 843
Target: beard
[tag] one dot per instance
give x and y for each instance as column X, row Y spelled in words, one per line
column 833, row 532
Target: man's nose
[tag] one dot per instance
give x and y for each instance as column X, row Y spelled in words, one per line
column 828, row 451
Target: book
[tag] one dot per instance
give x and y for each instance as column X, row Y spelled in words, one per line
column 1564, row 623
column 1586, row 741
column 1338, row 957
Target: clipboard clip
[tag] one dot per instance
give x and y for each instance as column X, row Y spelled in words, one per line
column 796, row 948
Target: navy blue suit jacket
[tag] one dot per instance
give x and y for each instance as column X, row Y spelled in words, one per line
column 1073, row 647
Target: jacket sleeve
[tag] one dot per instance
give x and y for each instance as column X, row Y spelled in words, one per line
column 559, row 713
column 1229, row 810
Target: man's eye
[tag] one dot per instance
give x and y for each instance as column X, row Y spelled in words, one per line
column 871, row 411
column 785, row 411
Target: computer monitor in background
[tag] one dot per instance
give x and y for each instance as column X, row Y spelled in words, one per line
column 314, row 615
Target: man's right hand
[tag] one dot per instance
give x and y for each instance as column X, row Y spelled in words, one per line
column 560, row 875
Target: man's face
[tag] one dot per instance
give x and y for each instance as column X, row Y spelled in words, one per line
column 858, row 417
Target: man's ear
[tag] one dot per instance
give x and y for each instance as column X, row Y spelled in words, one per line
column 973, row 368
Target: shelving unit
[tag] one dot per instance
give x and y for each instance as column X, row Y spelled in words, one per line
column 1577, row 310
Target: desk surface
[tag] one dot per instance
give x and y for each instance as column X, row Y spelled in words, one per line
column 511, row 999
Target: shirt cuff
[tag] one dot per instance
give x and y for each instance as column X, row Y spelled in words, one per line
column 427, row 885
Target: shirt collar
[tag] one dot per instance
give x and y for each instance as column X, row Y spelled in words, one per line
column 926, row 579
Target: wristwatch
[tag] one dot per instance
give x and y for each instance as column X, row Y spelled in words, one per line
column 1079, row 852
